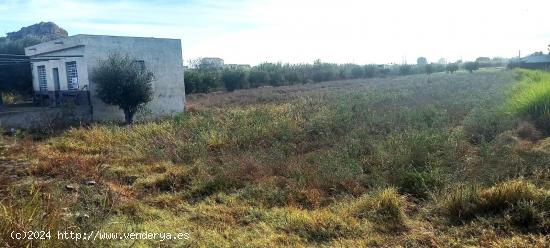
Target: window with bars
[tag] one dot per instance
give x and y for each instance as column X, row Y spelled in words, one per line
column 72, row 75
column 42, row 81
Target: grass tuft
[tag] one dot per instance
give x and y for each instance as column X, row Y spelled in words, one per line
column 523, row 203
column 386, row 208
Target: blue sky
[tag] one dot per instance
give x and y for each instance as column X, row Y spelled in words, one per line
column 251, row 32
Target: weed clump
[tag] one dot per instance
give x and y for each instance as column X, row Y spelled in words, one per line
column 520, row 201
column 529, row 217
column 386, row 208
column 419, row 183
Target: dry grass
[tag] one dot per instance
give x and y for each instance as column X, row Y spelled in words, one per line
column 348, row 164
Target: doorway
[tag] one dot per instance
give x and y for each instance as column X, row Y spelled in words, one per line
column 57, row 87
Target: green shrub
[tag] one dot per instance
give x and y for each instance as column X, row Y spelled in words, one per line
column 419, row 183
column 429, row 68
column 235, row 79
column 427, row 117
column 484, row 124
column 405, row 69
column 471, row 66
column 451, row 68
column 421, row 148
column 258, row 78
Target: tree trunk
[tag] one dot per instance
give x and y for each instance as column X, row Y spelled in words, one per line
column 1, row 100
column 129, row 116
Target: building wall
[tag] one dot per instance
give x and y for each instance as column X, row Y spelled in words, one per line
column 82, row 69
column 162, row 56
column 38, row 118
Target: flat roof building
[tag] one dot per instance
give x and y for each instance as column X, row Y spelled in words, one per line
column 61, row 68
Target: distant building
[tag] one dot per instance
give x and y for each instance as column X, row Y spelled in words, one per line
column 536, row 61
column 237, row 66
column 385, row 66
column 211, row 63
column 60, row 70
column 483, row 60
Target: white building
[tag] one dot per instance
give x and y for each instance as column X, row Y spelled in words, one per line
column 211, row 63
column 61, row 68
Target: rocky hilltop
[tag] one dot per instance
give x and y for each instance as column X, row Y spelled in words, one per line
column 42, row 31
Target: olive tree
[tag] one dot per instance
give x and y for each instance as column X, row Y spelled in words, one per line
column 451, row 68
column 429, row 68
column 421, row 61
column 234, row 79
column 123, row 82
column 471, row 66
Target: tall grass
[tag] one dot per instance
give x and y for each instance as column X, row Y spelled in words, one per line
column 532, row 97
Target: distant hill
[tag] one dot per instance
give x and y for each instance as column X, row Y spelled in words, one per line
column 15, row 76
column 15, row 42
column 43, row 31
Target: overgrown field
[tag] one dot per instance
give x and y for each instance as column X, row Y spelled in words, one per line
column 441, row 160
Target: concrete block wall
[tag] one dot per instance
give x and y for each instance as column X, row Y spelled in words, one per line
column 162, row 56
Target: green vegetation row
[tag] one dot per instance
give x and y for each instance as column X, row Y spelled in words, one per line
column 204, row 80
column 531, row 98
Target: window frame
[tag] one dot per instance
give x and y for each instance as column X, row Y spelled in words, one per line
column 72, row 72
column 42, row 75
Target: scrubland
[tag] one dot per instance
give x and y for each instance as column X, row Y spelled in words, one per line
column 440, row 160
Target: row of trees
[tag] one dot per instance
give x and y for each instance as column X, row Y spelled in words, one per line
column 122, row 83
column 201, row 80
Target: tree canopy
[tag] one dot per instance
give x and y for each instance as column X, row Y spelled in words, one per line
column 121, row 82
column 471, row 66
column 421, row 61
